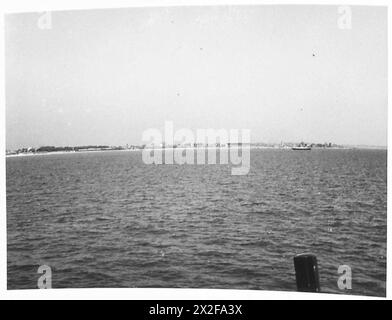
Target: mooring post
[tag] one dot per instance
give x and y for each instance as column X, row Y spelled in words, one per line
column 306, row 273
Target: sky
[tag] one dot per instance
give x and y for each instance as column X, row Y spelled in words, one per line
column 287, row 73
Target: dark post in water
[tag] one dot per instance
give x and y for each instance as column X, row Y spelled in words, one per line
column 306, row 273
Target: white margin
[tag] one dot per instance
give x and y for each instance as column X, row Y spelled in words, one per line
column 13, row 6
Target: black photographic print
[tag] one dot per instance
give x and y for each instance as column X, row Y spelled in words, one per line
column 214, row 147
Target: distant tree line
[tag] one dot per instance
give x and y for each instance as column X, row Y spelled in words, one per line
column 54, row 149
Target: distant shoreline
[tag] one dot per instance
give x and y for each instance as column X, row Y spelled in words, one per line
column 64, row 152
column 184, row 148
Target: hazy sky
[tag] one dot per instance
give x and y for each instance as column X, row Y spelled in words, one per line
column 286, row 73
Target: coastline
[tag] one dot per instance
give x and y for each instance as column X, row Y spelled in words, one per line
column 62, row 152
column 181, row 148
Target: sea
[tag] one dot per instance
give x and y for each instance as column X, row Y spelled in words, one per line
column 107, row 219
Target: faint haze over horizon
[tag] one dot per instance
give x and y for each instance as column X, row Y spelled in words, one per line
column 287, row 73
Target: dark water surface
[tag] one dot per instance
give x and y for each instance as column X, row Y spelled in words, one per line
column 106, row 219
